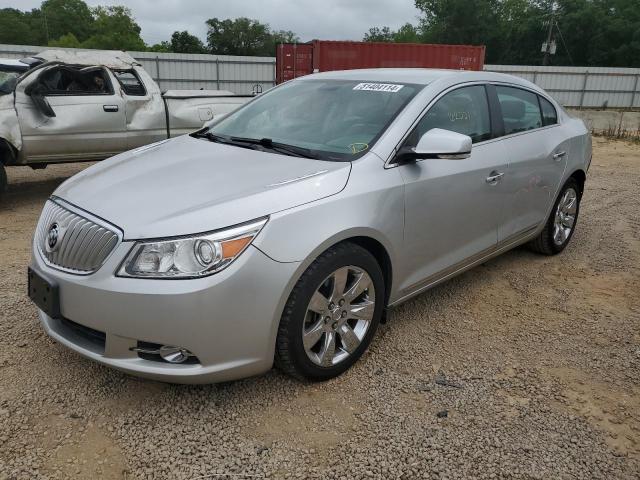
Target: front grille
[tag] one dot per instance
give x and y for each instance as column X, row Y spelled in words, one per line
column 82, row 245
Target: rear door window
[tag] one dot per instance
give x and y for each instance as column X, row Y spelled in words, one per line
column 464, row 110
column 549, row 114
column 520, row 109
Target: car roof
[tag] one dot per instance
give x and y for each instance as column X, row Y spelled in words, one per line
column 12, row 62
column 420, row 76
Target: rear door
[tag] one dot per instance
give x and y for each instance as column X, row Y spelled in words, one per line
column 537, row 152
column 88, row 119
column 453, row 207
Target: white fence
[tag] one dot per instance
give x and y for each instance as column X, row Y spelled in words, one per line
column 241, row 75
column 597, row 87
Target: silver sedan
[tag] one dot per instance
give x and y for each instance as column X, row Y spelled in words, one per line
column 285, row 230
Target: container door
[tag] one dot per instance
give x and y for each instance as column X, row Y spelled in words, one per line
column 293, row 60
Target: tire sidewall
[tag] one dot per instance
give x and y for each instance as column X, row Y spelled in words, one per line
column 3, row 180
column 571, row 183
column 324, row 267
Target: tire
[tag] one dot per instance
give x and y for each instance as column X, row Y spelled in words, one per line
column 549, row 242
column 309, row 309
column 3, row 180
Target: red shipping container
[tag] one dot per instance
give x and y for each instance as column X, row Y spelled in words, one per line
column 297, row 59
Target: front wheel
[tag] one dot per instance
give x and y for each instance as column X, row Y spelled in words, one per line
column 331, row 315
column 561, row 223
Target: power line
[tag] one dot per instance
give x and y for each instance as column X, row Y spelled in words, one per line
column 564, row 44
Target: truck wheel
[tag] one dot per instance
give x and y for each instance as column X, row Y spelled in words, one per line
column 561, row 222
column 3, row 180
column 331, row 315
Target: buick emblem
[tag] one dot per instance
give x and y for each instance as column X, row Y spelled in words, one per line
column 54, row 236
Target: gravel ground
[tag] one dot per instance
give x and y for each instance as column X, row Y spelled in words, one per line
column 525, row 367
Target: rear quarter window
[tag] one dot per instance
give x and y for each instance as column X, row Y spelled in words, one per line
column 549, row 114
column 130, row 82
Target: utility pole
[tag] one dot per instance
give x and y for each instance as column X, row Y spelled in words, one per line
column 46, row 25
column 547, row 44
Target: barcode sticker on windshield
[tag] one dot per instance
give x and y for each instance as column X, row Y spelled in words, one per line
column 379, row 87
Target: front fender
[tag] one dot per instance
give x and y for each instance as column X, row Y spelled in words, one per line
column 10, row 134
column 372, row 205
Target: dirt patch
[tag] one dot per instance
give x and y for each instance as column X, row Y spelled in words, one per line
column 524, row 367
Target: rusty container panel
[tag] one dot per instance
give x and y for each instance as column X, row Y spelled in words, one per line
column 293, row 60
column 336, row 55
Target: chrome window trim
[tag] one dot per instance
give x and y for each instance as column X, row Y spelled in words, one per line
column 389, row 163
column 89, row 216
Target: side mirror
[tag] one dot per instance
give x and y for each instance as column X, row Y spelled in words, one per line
column 438, row 143
column 42, row 104
column 36, row 92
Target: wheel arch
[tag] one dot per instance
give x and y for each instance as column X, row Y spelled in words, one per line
column 8, row 152
column 579, row 176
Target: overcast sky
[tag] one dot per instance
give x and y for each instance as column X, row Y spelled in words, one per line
column 322, row 19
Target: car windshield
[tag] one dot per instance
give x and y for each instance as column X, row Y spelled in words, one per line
column 330, row 119
column 8, row 79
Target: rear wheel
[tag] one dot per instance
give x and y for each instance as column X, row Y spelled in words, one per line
column 561, row 223
column 331, row 315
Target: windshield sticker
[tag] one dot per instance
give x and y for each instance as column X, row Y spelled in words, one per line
column 358, row 147
column 378, row 87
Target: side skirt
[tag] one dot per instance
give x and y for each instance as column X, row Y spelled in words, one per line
column 481, row 257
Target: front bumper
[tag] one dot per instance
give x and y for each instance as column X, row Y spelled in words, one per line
column 228, row 320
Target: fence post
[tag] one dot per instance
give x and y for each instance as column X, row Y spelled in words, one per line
column 635, row 90
column 217, row 73
column 535, row 76
column 158, row 72
column 584, row 87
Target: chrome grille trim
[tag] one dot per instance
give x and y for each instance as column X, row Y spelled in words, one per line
column 86, row 243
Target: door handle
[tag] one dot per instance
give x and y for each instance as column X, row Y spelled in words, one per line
column 110, row 108
column 494, row 177
column 559, row 155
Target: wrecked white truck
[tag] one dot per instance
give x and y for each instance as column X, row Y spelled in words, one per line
column 69, row 106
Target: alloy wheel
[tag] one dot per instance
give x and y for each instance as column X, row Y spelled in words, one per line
column 338, row 316
column 565, row 216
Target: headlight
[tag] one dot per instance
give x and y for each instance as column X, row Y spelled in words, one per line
column 189, row 257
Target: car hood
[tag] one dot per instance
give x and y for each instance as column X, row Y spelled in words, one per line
column 188, row 185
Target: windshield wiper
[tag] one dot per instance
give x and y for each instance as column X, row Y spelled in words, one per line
column 277, row 146
column 253, row 143
column 220, row 139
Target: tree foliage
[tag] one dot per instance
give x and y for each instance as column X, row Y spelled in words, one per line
column 184, row 42
column 244, row 36
column 72, row 23
column 587, row 32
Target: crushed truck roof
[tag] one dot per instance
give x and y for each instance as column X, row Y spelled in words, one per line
column 107, row 58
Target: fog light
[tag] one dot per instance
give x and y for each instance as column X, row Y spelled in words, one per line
column 167, row 353
column 174, row 354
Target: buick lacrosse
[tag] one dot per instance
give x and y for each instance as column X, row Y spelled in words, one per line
column 282, row 232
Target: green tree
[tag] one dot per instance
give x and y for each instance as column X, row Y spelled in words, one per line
column 114, row 28
column 21, row 28
column 241, row 36
column 66, row 41
column 379, row 34
column 184, row 42
column 67, row 16
column 244, row 36
column 407, row 33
